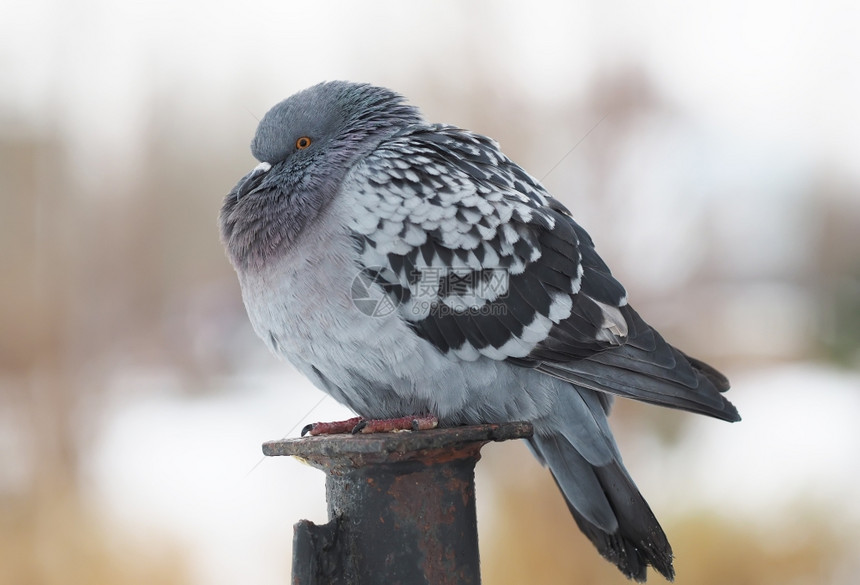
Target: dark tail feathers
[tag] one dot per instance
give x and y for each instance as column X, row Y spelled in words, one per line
column 608, row 508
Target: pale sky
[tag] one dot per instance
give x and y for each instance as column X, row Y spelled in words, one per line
column 765, row 71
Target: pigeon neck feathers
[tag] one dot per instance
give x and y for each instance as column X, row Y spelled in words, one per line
column 306, row 145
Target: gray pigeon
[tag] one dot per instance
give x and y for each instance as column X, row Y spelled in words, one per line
column 410, row 268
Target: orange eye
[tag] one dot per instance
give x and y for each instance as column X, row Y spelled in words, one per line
column 303, row 142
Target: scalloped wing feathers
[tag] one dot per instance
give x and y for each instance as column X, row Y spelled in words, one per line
column 483, row 262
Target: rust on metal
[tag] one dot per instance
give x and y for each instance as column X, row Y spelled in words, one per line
column 401, row 506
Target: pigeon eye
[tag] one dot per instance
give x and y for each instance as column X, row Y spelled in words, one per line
column 303, row 142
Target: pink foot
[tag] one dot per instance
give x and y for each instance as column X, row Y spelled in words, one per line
column 405, row 423
column 357, row 425
column 332, row 428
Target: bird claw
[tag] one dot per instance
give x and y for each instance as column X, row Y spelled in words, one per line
column 358, row 425
column 332, row 428
column 404, row 423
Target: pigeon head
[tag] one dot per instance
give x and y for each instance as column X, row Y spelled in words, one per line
column 305, row 144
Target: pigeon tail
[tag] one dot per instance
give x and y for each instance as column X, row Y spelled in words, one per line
column 608, row 508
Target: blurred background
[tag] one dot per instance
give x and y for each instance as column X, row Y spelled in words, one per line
column 722, row 186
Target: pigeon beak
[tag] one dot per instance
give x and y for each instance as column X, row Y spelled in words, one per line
column 252, row 180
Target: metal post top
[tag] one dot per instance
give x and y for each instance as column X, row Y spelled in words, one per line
column 397, row 445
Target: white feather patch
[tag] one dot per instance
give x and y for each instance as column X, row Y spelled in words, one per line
column 614, row 326
column 562, row 305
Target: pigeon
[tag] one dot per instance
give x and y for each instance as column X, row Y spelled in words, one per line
column 411, row 269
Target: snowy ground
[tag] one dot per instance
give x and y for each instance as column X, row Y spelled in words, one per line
column 190, row 470
column 799, row 442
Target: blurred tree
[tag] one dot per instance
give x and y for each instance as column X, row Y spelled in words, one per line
column 836, row 279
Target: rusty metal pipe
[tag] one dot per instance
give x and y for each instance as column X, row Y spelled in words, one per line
column 401, row 506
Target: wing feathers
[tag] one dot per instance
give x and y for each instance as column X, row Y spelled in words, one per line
column 490, row 265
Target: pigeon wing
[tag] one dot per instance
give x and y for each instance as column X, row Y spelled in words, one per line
column 483, row 262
